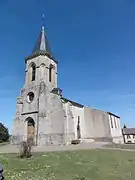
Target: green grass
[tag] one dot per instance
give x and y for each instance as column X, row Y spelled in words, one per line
column 81, row 165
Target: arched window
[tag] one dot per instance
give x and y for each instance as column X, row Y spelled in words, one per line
column 115, row 122
column 42, row 71
column 33, row 72
column 111, row 121
column 50, row 73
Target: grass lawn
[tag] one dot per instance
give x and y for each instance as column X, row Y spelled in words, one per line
column 76, row 165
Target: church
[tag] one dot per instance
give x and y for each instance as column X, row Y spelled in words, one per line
column 46, row 117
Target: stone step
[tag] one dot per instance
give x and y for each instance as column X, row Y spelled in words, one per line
column 86, row 140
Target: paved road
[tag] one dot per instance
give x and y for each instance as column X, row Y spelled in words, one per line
column 92, row 145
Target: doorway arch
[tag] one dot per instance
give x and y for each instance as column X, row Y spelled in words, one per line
column 30, row 129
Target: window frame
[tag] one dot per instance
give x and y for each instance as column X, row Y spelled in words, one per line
column 111, row 121
column 33, row 71
column 128, row 136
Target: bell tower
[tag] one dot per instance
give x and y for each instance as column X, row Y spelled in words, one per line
column 41, row 65
column 39, row 110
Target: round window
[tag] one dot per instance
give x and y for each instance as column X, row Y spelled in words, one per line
column 30, row 97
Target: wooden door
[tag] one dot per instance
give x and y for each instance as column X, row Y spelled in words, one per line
column 31, row 130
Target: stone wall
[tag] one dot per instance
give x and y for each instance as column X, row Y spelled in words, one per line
column 51, row 119
column 96, row 124
column 42, row 71
column 115, row 128
column 78, row 114
column 50, row 139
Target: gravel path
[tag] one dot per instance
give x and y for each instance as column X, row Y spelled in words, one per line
column 15, row 149
column 92, row 145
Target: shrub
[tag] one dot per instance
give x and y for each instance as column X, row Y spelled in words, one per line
column 76, row 141
column 4, row 134
column 25, row 149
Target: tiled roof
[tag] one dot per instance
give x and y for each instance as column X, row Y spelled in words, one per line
column 113, row 114
column 128, row 131
column 72, row 102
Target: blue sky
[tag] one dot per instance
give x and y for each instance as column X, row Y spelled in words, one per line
column 94, row 42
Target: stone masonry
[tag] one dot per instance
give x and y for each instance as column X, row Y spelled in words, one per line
column 45, row 116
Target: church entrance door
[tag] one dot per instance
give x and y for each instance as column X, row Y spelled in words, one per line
column 30, row 130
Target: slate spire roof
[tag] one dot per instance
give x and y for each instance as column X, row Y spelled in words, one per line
column 42, row 46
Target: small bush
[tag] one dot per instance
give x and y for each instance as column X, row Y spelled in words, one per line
column 4, row 134
column 25, row 149
column 77, row 141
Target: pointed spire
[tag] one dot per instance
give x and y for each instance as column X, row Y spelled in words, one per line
column 42, row 45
